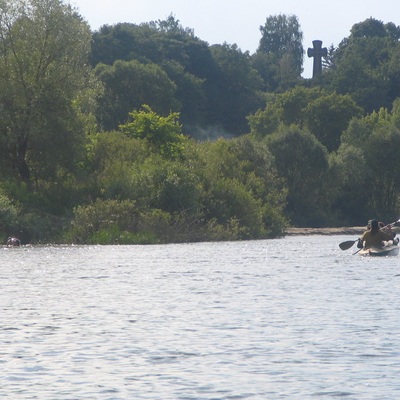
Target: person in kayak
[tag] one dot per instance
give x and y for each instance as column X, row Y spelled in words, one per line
column 13, row 241
column 388, row 229
column 374, row 236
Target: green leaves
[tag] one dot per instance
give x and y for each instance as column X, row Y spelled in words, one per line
column 326, row 115
column 377, row 139
column 282, row 41
column 8, row 214
column 164, row 134
column 365, row 65
column 43, row 63
column 129, row 85
column 303, row 162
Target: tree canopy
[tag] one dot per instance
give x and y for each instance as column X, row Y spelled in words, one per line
column 148, row 134
column 130, row 84
column 364, row 65
column 282, row 44
column 44, row 73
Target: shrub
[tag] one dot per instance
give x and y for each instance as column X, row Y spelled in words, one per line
column 103, row 219
column 8, row 216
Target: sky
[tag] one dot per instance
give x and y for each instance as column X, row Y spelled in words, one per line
column 238, row 21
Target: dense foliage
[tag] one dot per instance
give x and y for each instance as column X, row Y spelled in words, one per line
column 44, row 76
column 147, row 134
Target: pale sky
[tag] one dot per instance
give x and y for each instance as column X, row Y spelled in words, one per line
column 238, row 21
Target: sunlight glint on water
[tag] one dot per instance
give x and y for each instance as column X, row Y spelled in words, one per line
column 279, row 319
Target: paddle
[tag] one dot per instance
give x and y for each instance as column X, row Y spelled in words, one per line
column 346, row 245
column 349, row 243
column 395, row 222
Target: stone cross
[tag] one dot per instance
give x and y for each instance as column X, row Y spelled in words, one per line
column 317, row 52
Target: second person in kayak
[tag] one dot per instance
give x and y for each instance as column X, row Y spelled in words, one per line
column 374, row 237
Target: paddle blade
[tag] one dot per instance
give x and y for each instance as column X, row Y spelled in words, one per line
column 346, row 245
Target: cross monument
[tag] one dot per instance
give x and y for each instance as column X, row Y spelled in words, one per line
column 317, row 52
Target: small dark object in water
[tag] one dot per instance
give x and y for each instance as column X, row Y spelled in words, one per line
column 13, row 241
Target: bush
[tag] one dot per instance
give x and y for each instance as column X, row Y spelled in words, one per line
column 103, row 220
column 113, row 235
column 8, row 216
column 231, row 230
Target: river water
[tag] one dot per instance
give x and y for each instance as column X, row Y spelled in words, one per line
column 292, row 318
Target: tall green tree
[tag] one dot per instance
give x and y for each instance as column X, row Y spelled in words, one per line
column 157, row 41
column 130, row 84
column 377, row 136
column 185, row 59
column 286, row 108
column 381, row 153
column 44, row 48
column 349, row 175
column 237, row 91
column 328, row 116
column 303, row 162
column 324, row 114
column 217, row 85
column 282, row 43
column 190, row 93
column 365, row 65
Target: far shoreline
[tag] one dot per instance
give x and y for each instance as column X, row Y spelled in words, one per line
column 353, row 230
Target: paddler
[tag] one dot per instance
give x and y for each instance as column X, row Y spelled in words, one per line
column 374, row 236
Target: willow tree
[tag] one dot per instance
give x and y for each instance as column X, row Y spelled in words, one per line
column 44, row 47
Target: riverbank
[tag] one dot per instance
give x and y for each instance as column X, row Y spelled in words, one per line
column 354, row 230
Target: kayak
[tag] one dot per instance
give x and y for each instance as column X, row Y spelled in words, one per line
column 389, row 250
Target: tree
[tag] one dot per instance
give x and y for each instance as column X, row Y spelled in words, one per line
column 366, row 65
column 324, row 114
column 242, row 187
column 303, row 162
column 8, row 216
column 123, row 41
column 163, row 134
column 44, row 47
column 268, row 68
column 237, row 89
column 129, row 85
column 381, row 154
column 372, row 27
column 166, row 184
column 176, row 51
column 282, row 41
column 285, row 108
column 328, row 61
column 111, row 155
column 157, row 41
column 377, row 137
column 190, row 93
column 348, row 176
column 328, row 116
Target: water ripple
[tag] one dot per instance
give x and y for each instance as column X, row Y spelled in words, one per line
column 281, row 319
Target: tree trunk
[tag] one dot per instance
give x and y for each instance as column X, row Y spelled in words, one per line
column 21, row 164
